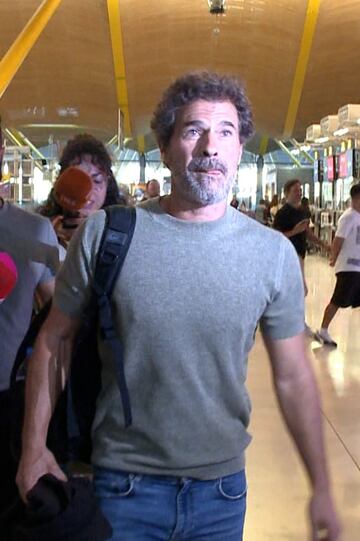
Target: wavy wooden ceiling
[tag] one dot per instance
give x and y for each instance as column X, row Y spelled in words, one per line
column 70, row 69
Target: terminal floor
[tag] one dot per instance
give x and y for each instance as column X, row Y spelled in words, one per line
column 278, row 488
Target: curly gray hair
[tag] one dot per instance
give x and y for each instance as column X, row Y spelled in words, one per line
column 201, row 85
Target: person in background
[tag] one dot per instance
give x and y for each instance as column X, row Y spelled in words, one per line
column 90, row 155
column 179, row 470
column 242, row 207
column 234, row 202
column 260, row 212
column 305, row 206
column 293, row 222
column 31, row 243
column 267, row 211
column 345, row 257
column 152, row 189
column 125, row 198
column 274, row 207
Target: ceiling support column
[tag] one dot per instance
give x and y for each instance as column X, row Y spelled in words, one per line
column 301, row 66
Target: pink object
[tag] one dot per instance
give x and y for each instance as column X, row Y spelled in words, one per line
column 8, row 275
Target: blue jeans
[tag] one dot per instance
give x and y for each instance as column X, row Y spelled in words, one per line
column 157, row 508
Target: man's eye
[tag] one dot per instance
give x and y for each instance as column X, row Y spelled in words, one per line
column 192, row 132
column 226, row 133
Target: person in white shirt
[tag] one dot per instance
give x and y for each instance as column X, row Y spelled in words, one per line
column 345, row 257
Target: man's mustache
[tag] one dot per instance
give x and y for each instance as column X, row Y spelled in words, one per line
column 207, row 164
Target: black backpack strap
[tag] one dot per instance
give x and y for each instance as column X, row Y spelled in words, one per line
column 19, row 368
column 118, row 232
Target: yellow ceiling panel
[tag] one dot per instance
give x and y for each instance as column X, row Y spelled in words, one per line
column 69, row 79
column 22, row 45
column 333, row 74
column 258, row 41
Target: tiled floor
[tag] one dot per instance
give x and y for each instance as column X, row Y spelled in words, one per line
column 277, row 485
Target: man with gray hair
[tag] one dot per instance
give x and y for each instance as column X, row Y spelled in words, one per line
column 205, row 275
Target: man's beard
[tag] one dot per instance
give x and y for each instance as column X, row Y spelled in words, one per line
column 195, row 186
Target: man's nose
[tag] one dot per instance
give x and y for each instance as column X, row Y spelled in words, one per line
column 209, row 145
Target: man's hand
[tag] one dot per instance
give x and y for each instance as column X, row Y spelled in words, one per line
column 300, row 227
column 324, row 521
column 33, row 466
column 298, row 396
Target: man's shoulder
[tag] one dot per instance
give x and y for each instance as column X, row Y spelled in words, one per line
column 149, row 205
column 91, row 230
column 283, row 212
column 284, row 208
column 349, row 215
column 27, row 218
column 258, row 232
column 288, row 209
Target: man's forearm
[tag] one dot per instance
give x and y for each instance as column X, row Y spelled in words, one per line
column 303, row 419
column 313, row 238
column 335, row 249
column 47, row 373
column 333, row 256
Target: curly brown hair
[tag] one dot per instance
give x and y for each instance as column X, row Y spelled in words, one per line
column 74, row 149
column 201, row 85
column 81, row 144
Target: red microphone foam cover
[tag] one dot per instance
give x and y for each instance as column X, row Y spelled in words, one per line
column 8, row 275
column 72, row 189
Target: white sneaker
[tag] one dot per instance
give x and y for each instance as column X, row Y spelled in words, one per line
column 323, row 336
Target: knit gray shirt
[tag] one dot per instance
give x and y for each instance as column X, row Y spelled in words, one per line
column 187, row 305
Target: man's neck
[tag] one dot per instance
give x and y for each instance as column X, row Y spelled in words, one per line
column 184, row 210
column 293, row 204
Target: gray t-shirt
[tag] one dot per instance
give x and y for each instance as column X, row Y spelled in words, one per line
column 31, row 241
column 187, row 305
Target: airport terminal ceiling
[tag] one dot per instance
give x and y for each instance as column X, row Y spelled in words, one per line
column 299, row 59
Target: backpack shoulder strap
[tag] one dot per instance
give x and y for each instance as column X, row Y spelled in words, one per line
column 27, row 344
column 115, row 242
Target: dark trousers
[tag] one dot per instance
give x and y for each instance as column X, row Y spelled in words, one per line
column 8, row 467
